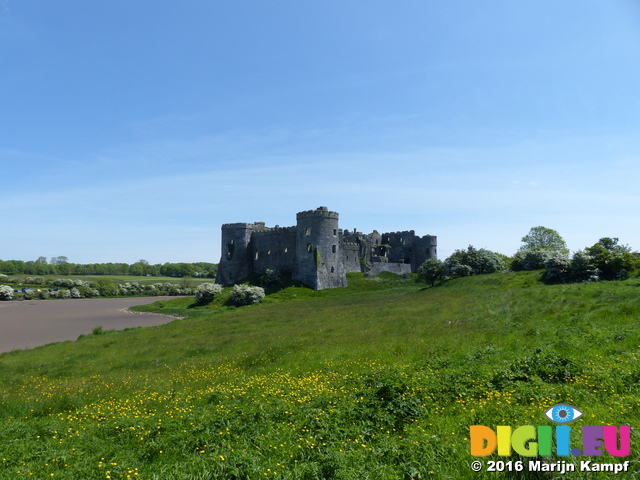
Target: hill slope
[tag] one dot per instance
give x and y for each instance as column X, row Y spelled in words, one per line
column 379, row 380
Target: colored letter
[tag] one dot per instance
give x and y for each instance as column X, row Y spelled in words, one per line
column 482, row 439
column 563, row 436
column 611, row 443
column 504, row 441
column 544, row 440
column 523, row 435
column 592, row 441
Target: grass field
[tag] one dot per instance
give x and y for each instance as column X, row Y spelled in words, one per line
column 187, row 281
column 380, row 380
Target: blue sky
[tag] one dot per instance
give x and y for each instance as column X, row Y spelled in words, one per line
column 134, row 130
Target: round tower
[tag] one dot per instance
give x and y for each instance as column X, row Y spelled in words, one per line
column 318, row 257
column 235, row 261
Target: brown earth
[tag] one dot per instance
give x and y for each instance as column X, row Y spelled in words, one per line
column 32, row 323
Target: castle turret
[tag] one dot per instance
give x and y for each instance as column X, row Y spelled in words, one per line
column 235, row 261
column 319, row 262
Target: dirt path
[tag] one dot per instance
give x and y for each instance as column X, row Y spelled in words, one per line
column 32, row 323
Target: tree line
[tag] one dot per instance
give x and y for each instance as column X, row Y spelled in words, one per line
column 61, row 266
column 543, row 249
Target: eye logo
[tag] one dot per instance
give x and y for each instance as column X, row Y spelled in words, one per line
column 563, row 413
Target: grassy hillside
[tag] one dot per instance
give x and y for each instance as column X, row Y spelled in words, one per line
column 380, row 380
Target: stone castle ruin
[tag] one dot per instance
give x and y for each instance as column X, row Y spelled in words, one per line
column 316, row 252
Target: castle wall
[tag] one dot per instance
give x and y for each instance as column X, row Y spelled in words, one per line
column 274, row 248
column 350, row 257
column 397, row 268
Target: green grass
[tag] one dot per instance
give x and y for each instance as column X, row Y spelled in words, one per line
column 380, row 380
column 142, row 280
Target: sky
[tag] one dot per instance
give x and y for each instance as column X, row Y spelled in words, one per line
column 134, row 130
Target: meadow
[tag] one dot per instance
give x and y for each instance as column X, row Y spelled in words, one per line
column 379, row 380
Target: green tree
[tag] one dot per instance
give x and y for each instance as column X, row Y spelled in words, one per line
column 543, row 238
column 431, row 271
column 613, row 261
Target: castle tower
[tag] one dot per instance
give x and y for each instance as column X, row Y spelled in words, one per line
column 318, row 256
column 423, row 248
column 235, row 262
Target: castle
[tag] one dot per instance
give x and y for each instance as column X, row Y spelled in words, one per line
column 316, row 252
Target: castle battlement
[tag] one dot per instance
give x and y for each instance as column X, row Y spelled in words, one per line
column 271, row 231
column 316, row 252
column 319, row 212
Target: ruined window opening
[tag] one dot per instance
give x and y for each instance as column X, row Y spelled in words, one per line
column 256, row 255
column 428, row 251
column 307, row 231
column 331, row 269
column 309, row 248
column 335, row 232
column 333, row 248
column 286, row 249
column 268, row 252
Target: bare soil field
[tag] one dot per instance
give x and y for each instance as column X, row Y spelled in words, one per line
column 32, row 323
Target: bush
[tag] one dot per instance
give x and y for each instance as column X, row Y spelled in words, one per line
column 431, row 271
column 6, row 292
column 75, row 293
column 270, row 277
column 531, row 259
column 582, row 268
column 557, row 265
column 246, row 295
column 614, row 261
column 205, row 292
column 472, row 261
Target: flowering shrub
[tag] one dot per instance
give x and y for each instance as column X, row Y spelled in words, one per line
column 557, row 265
column 6, row 292
column 205, row 292
column 530, row 260
column 246, row 295
column 75, row 293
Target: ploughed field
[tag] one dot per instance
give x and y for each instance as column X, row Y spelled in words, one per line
column 379, row 380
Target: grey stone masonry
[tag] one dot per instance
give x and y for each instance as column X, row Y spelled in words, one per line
column 316, row 252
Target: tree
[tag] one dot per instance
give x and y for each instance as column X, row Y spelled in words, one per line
column 543, row 238
column 613, row 261
column 432, row 271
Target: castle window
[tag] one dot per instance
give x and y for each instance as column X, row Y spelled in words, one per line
column 428, row 251
column 307, row 231
column 333, row 248
column 231, row 242
column 309, row 248
column 331, row 269
column 286, row 249
column 256, row 255
column 335, row 232
column 268, row 252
